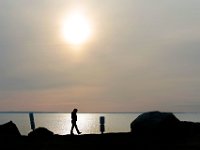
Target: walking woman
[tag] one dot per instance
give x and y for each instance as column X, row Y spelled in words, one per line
column 73, row 121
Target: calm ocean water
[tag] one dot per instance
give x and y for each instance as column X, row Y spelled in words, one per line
column 88, row 123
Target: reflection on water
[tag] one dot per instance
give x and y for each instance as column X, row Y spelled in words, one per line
column 88, row 123
column 60, row 123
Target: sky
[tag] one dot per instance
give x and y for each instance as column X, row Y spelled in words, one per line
column 141, row 55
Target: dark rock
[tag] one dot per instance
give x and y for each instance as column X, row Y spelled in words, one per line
column 155, row 123
column 190, row 128
column 9, row 129
column 41, row 132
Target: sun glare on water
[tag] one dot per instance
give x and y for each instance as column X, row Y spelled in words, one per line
column 76, row 28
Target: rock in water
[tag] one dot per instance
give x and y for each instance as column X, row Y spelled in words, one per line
column 9, row 129
column 41, row 132
column 155, row 123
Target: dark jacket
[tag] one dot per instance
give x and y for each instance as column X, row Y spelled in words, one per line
column 73, row 116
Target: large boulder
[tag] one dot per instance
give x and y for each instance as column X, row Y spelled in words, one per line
column 9, row 129
column 41, row 132
column 155, row 123
column 190, row 128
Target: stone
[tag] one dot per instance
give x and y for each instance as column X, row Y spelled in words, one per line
column 155, row 123
column 42, row 132
column 9, row 129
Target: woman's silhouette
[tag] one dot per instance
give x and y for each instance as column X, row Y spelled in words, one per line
column 73, row 121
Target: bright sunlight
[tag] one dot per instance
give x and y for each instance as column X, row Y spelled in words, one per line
column 76, row 28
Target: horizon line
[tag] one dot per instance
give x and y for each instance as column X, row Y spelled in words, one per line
column 96, row 112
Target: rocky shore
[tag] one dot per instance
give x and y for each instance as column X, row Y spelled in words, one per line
column 151, row 130
column 108, row 140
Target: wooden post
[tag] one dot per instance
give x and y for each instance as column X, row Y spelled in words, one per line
column 32, row 122
column 102, row 122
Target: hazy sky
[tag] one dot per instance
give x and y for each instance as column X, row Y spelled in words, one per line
column 142, row 55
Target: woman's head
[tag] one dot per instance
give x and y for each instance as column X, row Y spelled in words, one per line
column 75, row 110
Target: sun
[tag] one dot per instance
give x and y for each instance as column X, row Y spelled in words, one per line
column 76, row 28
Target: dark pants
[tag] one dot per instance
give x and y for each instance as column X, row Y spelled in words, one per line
column 74, row 125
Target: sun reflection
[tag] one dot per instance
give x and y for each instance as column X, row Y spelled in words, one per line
column 86, row 122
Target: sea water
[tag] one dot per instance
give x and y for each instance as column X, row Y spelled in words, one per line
column 88, row 123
